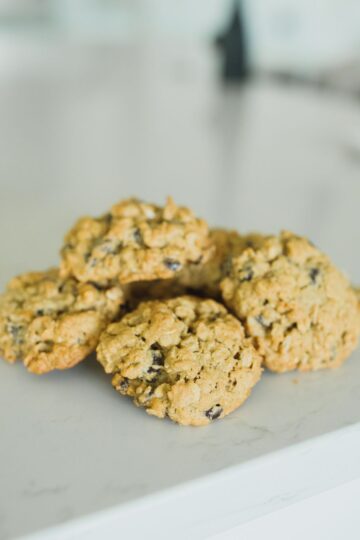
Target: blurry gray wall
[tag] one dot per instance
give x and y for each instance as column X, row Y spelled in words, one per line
column 282, row 33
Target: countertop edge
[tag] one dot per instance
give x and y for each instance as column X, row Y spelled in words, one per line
column 214, row 503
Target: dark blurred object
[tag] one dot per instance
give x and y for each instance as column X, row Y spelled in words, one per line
column 233, row 45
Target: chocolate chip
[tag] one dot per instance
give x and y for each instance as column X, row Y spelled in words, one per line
column 39, row 312
column 124, row 385
column 314, row 273
column 291, row 327
column 157, row 355
column 214, row 412
column 15, row 331
column 260, row 319
column 248, row 274
column 138, row 237
column 158, row 358
column 172, row 265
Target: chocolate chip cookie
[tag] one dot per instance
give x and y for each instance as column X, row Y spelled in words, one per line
column 205, row 277
column 53, row 323
column 135, row 241
column 298, row 308
column 186, row 358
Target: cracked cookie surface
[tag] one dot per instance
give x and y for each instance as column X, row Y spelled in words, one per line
column 298, row 308
column 186, row 358
column 135, row 241
column 53, row 323
column 205, row 277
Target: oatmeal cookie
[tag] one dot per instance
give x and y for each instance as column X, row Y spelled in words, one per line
column 298, row 308
column 205, row 277
column 135, row 241
column 186, row 358
column 53, row 323
column 357, row 292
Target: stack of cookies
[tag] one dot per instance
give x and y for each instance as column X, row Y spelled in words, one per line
column 184, row 318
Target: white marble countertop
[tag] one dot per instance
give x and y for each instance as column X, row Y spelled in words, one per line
column 84, row 126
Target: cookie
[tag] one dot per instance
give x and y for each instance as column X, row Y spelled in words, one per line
column 135, row 241
column 205, row 277
column 186, row 358
column 53, row 323
column 298, row 308
column 357, row 292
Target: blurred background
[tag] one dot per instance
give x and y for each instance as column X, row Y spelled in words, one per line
column 246, row 111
